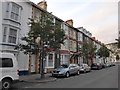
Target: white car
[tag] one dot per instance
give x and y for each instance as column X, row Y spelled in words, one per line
column 8, row 70
column 85, row 68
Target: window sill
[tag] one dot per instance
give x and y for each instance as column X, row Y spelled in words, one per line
column 8, row 44
column 49, row 67
column 12, row 20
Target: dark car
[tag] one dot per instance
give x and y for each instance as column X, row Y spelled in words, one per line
column 97, row 66
column 66, row 70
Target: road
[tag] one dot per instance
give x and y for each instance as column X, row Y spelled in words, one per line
column 105, row 78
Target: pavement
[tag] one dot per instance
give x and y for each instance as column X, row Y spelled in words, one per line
column 35, row 78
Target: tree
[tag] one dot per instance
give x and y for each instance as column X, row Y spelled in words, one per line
column 59, row 37
column 43, row 37
column 88, row 50
column 103, row 52
column 117, row 57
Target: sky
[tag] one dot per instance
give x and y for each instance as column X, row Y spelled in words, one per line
column 100, row 17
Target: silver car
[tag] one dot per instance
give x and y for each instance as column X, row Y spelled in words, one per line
column 84, row 68
column 107, row 64
column 66, row 70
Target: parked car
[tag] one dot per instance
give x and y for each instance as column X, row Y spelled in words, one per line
column 113, row 63
column 9, row 70
column 66, row 70
column 108, row 64
column 96, row 66
column 85, row 68
column 103, row 65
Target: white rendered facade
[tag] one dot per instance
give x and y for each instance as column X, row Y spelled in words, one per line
column 14, row 26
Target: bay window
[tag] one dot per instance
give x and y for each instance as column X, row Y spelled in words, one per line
column 12, row 36
column 4, row 34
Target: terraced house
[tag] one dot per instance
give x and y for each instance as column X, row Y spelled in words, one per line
column 14, row 25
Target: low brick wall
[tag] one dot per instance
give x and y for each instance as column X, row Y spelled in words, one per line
column 48, row 70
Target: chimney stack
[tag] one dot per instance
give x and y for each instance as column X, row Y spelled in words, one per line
column 94, row 38
column 43, row 5
column 70, row 22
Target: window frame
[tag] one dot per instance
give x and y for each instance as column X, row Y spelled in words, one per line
column 50, row 60
column 5, row 29
column 36, row 15
column 13, row 11
column 12, row 36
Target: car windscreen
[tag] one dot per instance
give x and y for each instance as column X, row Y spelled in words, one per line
column 81, row 65
column 64, row 66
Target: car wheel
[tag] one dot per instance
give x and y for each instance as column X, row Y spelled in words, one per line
column 6, row 84
column 67, row 74
column 78, row 72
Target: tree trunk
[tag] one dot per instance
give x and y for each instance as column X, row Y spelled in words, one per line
column 29, row 68
column 42, row 66
column 56, row 60
column 104, row 60
column 42, row 60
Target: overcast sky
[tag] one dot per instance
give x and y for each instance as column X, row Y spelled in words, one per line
column 100, row 17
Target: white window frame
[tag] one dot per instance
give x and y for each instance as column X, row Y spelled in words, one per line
column 70, row 45
column 12, row 36
column 74, row 46
column 8, row 34
column 5, row 29
column 47, row 61
column 7, row 9
column 80, row 36
column 36, row 16
column 15, row 12
column 64, row 60
column 66, row 29
column 66, row 45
